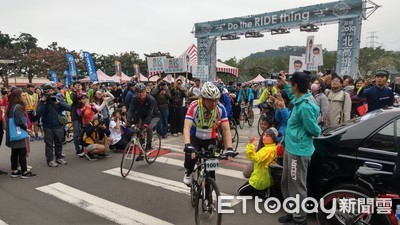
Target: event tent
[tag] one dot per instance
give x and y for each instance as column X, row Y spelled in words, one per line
column 221, row 67
column 142, row 78
column 123, row 78
column 257, row 79
column 101, row 76
column 154, row 78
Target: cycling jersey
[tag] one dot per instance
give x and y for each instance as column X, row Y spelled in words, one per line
column 204, row 120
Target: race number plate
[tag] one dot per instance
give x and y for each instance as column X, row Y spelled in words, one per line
column 212, row 164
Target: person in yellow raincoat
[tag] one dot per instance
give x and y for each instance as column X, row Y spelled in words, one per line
column 260, row 180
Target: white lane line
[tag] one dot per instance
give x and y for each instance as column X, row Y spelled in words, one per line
column 3, row 223
column 167, row 184
column 221, row 171
column 101, row 207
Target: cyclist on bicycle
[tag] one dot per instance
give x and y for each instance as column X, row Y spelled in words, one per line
column 143, row 109
column 198, row 132
column 246, row 95
column 270, row 90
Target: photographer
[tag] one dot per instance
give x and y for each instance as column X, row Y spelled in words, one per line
column 50, row 108
column 96, row 140
column 162, row 95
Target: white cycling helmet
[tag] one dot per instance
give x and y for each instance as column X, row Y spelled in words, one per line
column 210, row 91
column 140, row 87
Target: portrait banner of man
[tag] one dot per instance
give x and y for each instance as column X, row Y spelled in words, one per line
column 296, row 64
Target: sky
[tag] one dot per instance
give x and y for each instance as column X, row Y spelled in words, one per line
column 108, row 27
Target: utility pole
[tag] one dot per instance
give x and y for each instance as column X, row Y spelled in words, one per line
column 372, row 41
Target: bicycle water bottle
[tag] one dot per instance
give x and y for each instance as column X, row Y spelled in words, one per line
column 398, row 214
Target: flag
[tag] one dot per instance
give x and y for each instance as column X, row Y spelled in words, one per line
column 90, row 67
column 71, row 65
column 136, row 68
column 67, row 78
column 118, row 68
column 53, row 76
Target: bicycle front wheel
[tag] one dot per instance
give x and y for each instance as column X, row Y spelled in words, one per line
column 332, row 202
column 250, row 118
column 128, row 158
column 152, row 155
column 69, row 132
column 207, row 203
column 259, row 126
column 235, row 138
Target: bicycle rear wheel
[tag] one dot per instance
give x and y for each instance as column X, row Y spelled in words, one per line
column 128, row 158
column 207, row 205
column 152, row 155
column 241, row 120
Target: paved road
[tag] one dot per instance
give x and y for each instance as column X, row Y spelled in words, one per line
column 84, row 192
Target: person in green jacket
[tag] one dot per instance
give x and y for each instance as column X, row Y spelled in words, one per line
column 260, row 179
column 302, row 126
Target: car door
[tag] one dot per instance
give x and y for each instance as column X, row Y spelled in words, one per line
column 381, row 147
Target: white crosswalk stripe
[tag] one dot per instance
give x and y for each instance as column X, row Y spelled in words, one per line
column 171, row 185
column 3, row 223
column 101, row 207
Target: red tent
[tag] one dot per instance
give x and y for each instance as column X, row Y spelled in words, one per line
column 221, row 67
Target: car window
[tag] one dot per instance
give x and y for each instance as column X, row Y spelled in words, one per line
column 384, row 139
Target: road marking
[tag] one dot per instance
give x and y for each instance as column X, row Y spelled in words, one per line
column 221, row 171
column 3, row 223
column 101, row 207
column 167, row 184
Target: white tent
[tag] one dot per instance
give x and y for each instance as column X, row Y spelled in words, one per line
column 123, row 78
column 257, row 79
column 101, row 76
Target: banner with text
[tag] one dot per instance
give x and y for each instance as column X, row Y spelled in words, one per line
column 201, row 72
column 90, row 67
column 71, row 65
column 175, row 65
column 329, row 12
column 349, row 43
column 155, row 65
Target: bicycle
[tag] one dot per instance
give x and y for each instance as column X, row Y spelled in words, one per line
column 204, row 191
column 68, row 133
column 369, row 186
column 246, row 115
column 136, row 146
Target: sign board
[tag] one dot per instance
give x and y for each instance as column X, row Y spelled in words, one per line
column 7, row 61
column 327, row 13
column 155, row 64
column 296, row 64
column 175, row 65
column 201, row 72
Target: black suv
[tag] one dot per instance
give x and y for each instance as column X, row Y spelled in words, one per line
column 340, row 150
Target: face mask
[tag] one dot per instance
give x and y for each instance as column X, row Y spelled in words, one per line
column 314, row 87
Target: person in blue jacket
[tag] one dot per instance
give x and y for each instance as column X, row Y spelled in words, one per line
column 379, row 95
column 302, row 126
column 49, row 109
column 226, row 101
